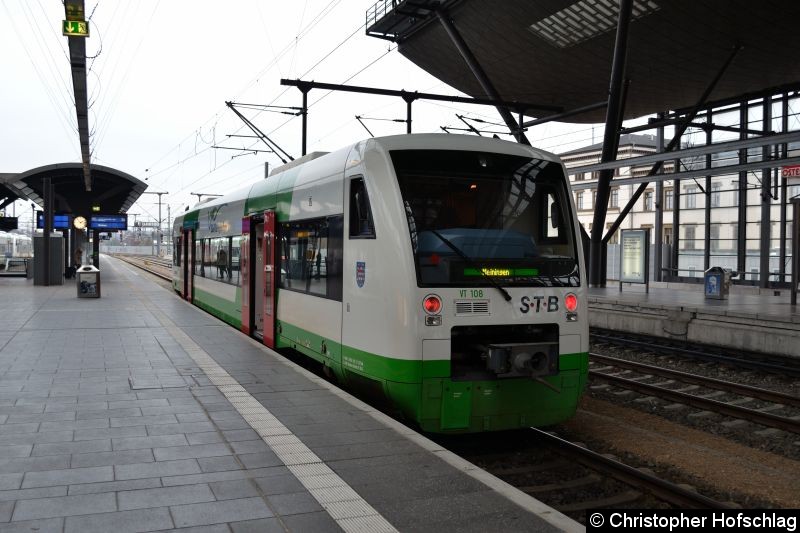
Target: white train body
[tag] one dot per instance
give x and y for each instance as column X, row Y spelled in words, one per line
column 442, row 272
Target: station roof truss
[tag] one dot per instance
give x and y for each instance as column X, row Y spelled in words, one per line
column 558, row 52
column 695, row 153
column 113, row 191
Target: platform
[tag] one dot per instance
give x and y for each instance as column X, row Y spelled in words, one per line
column 139, row 412
column 750, row 319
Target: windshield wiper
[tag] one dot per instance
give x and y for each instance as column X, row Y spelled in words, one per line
column 472, row 263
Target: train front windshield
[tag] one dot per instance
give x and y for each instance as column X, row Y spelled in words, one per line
column 481, row 219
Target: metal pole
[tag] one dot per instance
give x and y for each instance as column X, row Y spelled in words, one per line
column 766, row 203
column 784, row 189
column 707, row 219
column 158, row 233
column 659, row 229
column 304, row 113
column 676, row 224
column 610, row 142
column 170, row 250
column 480, row 74
column 47, row 190
column 96, row 248
column 408, row 114
column 795, row 248
column 741, row 237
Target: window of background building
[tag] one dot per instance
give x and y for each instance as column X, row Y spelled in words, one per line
column 733, row 242
column 668, row 199
column 714, row 237
column 716, row 194
column 648, row 200
column 688, row 237
column 735, row 192
column 579, row 200
column 614, row 200
column 594, row 200
column 667, row 236
column 691, row 196
column 792, row 191
column 613, row 239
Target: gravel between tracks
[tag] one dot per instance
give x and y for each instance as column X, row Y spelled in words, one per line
column 745, row 475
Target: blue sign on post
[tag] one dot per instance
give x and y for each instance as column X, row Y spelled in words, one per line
column 109, row 222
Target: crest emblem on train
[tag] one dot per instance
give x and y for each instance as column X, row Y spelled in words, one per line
column 361, row 273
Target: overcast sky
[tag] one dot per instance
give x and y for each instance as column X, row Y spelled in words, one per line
column 161, row 71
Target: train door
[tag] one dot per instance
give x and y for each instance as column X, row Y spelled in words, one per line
column 247, row 276
column 188, row 264
column 268, row 249
column 258, row 281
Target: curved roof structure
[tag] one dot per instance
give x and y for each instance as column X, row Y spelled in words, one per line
column 113, row 190
column 559, row 52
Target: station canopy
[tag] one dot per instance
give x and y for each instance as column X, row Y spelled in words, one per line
column 112, row 191
column 559, row 52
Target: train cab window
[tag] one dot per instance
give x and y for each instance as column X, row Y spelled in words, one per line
column 176, row 256
column 361, row 222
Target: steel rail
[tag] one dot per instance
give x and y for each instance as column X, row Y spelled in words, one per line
column 146, row 269
column 703, row 381
column 734, row 361
column 661, row 488
column 759, row 417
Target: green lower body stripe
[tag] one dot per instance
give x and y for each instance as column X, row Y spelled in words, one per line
column 423, row 391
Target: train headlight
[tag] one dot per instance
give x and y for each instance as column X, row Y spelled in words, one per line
column 571, row 302
column 432, row 304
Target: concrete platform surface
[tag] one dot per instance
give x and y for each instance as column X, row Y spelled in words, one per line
column 139, row 412
column 747, row 320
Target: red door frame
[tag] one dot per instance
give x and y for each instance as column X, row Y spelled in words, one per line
column 188, row 264
column 244, row 268
column 269, row 278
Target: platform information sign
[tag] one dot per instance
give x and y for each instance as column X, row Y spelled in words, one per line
column 634, row 250
column 60, row 221
column 109, row 222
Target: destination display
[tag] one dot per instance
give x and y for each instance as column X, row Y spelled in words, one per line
column 109, row 222
column 60, row 221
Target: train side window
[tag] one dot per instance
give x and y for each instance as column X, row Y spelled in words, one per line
column 176, row 256
column 361, row 222
column 311, row 257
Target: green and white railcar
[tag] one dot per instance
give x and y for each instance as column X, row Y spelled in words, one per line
column 441, row 272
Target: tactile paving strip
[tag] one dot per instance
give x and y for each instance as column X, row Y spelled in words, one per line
column 351, row 512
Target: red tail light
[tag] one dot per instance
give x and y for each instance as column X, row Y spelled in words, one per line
column 432, row 304
column 571, row 302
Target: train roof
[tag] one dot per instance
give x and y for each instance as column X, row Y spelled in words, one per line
column 448, row 141
column 415, row 141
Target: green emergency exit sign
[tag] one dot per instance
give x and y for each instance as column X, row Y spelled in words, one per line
column 75, row 28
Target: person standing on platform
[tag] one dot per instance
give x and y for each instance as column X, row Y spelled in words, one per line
column 222, row 263
column 78, row 257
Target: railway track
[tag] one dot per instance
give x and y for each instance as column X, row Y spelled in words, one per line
column 699, row 398
column 161, row 268
column 572, row 478
column 776, row 364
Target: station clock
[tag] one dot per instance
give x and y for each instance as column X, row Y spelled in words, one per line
column 79, row 222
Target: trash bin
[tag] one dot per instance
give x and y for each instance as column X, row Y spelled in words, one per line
column 717, row 283
column 88, row 277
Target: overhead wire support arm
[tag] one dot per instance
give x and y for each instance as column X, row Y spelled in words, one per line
column 358, row 118
column 261, row 135
column 309, row 85
column 470, row 127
